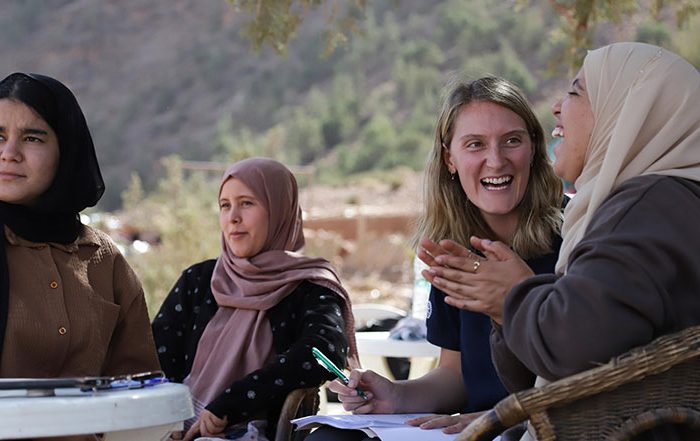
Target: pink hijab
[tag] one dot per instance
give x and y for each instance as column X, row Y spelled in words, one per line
column 238, row 339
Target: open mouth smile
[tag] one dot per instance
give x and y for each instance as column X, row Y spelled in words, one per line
column 497, row 183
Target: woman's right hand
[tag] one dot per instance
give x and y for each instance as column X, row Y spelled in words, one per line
column 380, row 391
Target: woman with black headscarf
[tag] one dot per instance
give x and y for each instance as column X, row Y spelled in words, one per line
column 70, row 305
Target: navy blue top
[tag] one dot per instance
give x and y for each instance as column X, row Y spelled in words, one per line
column 468, row 332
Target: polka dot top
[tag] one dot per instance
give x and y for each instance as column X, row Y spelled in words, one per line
column 309, row 316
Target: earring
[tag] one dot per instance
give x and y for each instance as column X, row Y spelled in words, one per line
column 453, row 176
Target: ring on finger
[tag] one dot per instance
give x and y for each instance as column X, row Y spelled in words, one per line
column 477, row 264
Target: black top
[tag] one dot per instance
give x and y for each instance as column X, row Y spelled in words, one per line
column 309, row 316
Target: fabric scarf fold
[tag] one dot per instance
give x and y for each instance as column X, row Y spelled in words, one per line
column 646, row 105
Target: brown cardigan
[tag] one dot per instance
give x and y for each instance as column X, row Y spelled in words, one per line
column 74, row 310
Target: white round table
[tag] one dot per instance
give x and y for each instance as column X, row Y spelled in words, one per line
column 423, row 355
column 145, row 414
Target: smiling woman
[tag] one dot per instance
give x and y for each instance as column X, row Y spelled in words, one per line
column 238, row 329
column 242, row 218
column 574, row 118
column 627, row 267
column 488, row 136
column 488, row 174
column 491, row 152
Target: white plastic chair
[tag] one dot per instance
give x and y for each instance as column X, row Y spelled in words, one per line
column 367, row 313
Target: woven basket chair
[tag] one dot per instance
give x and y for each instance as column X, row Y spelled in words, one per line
column 299, row 403
column 648, row 386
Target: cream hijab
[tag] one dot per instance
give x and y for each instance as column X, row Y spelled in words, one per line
column 646, row 105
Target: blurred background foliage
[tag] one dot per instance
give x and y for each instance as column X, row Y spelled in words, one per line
column 218, row 80
column 181, row 217
column 349, row 88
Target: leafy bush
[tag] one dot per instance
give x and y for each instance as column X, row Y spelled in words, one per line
column 184, row 213
column 653, row 32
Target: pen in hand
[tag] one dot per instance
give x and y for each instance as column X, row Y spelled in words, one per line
column 333, row 369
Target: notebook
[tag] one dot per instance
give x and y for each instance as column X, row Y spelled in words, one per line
column 386, row 427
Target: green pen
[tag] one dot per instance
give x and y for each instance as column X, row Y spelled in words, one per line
column 333, row 369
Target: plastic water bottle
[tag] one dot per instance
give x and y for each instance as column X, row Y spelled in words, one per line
column 421, row 290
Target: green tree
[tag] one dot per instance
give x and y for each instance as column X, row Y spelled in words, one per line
column 579, row 18
column 275, row 22
column 304, row 137
column 505, row 63
column 653, row 32
column 341, row 115
column 686, row 41
column 183, row 212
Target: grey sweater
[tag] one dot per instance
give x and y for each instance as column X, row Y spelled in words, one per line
column 634, row 276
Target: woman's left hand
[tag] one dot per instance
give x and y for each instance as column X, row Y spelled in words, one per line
column 449, row 423
column 472, row 282
column 207, row 424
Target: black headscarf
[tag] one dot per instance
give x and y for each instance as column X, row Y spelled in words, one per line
column 77, row 185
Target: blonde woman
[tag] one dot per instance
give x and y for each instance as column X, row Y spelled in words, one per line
column 628, row 267
column 488, row 175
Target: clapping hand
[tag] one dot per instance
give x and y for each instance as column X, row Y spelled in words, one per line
column 470, row 281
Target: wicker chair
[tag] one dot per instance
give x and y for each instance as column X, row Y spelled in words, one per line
column 651, row 385
column 299, row 403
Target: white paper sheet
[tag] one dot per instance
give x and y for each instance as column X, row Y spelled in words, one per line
column 390, row 427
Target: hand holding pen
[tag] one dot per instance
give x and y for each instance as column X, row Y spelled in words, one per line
column 333, row 369
column 383, row 395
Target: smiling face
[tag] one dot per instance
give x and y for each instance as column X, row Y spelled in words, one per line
column 491, row 151
column 574, row 127
column 29, row 153
column 243, row 219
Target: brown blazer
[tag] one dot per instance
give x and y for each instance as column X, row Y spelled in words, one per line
column 74, row 310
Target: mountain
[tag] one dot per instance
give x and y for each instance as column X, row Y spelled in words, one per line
column 161, row 77
column 153, row 77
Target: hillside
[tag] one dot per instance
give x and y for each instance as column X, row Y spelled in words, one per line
column 160, row 77
column 152, row 76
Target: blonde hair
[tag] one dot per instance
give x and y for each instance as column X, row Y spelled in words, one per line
column 448, row 214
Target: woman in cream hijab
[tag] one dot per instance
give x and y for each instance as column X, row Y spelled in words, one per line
column 628, row 269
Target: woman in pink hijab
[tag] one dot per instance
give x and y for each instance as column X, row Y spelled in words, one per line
column 238, row 330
